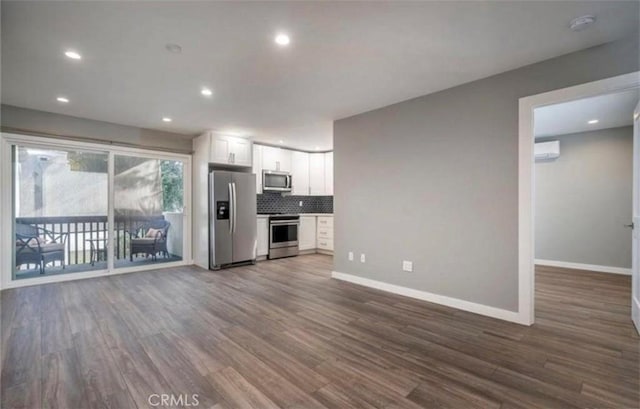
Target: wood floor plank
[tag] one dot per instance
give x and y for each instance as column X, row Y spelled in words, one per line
column 62, row 381
column 238, row 391
column 283, row 334
column 183, row 378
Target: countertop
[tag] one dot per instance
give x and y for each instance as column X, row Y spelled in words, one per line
column 304, row 214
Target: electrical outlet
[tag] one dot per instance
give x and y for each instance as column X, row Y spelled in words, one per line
column 407, row 266
column 351, row 256
column 301, row 203
column 362, row 258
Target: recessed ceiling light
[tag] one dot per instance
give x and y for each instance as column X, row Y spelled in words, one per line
column 166, row 119
column 282, row 39
column 317, row 148
column 593, row 121
column 280, row 141
column 63, row 100
column 173, row 48
column 73, row 55
column 582, row 22
column 206, row 92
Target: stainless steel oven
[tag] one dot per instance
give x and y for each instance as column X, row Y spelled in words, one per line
column 283, row 235
column 273, row 180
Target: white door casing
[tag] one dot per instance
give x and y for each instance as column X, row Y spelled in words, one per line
column 635, row 267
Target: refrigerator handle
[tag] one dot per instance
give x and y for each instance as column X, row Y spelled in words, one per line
column 232, row 210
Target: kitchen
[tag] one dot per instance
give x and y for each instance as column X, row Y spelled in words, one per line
column 255, row 202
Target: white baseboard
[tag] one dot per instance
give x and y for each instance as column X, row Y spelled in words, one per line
column 580, row 266
column 481, row 309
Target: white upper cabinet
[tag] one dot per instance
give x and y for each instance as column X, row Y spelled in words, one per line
column 300, row 173
column 241, row 152
column 312, row 173
column 229, row 150
column 257, row 166
column 316, row 174
column 276, row 159
column 328, row 173
column 220, row 149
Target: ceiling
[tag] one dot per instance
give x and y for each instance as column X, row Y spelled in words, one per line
column 344, row 58
column 610, row 110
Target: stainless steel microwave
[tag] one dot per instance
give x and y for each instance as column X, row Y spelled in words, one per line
column 273, row 180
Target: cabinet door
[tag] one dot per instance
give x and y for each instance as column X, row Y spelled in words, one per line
column 300, row 173
column 316, row 174
column 307, row 238
column 284, row 160
column 257, row 166
column 269, row 158
column 220, row 149
column 240, row 152
column 276, row 159
column 263, row 236
column 328, row 173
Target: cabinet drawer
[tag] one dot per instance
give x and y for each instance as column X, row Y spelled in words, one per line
column 325, row 244
column 325, row 233
column 325, row 221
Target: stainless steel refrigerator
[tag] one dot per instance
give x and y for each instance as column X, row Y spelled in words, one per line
column 232, row 218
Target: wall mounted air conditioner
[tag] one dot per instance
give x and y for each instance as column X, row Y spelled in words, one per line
column 546, row 151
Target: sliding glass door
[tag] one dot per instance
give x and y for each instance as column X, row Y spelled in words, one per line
column 90, row 211
column 60, row 211
column 148, row 210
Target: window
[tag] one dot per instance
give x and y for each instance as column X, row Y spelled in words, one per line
column 89, row 209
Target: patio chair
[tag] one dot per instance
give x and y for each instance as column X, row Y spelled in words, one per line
column 36, row 245
column 149, row 239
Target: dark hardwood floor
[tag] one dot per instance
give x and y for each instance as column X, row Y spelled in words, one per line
column 283, row 334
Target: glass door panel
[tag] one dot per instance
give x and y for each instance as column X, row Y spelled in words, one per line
column 60, row 211
column 148, row 210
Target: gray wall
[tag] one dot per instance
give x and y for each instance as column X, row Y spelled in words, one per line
column 434, row 180
column 47, row 123
column 583, row 199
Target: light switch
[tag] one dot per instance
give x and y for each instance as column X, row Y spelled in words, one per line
column 362, row 258
column 407, row 265
column 351, row 256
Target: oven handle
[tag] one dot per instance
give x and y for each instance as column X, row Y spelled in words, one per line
column 281, row 222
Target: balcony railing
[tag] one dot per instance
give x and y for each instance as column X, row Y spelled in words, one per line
column 80, row 229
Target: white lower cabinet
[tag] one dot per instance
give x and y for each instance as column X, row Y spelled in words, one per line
column 325, row 233
column 315, row 233
column 325, row 244
column 307, row 236
column 263, row 236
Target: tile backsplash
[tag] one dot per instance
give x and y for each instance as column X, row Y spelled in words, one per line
column 278, row 203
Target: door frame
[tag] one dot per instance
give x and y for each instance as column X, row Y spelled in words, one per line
column 6, row 205
column 526, row 182
column 635, row 266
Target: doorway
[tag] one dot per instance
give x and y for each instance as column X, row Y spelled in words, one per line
column 572, row 180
